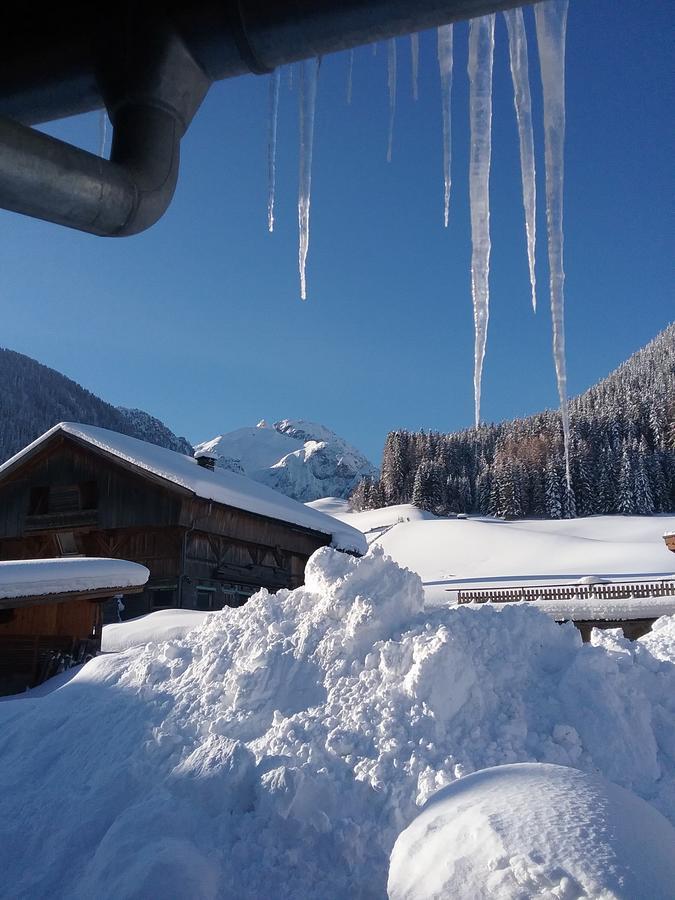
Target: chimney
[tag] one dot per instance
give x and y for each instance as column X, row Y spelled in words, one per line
column 206, row 459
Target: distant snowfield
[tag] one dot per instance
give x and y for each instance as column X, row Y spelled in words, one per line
column 481, row 552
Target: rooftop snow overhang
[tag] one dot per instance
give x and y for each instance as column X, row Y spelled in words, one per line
column 150, row 64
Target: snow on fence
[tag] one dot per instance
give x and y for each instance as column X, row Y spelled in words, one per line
column 614, row 591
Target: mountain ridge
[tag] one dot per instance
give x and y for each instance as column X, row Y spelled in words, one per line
column 302, row 459
column 34, row 397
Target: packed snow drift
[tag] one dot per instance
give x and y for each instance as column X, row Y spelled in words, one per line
column 534, row 830
column 279, row 749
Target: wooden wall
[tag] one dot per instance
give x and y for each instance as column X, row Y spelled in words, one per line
column 73, row 618
column 124, row 499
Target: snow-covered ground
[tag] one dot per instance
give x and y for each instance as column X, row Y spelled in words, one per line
column 482, row 552
column 279, row 749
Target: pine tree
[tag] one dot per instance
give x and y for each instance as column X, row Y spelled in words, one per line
column 554, row 507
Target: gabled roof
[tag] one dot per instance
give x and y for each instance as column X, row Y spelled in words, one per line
column 219, row 485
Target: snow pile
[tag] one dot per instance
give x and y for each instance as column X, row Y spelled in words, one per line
column 35, row 577
column 534, row 830
column 162, row 625
column 279, row 749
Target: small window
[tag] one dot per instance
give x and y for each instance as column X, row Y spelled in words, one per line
column 64, row 498
column 67, row 543
column 236, row 595
column 162, row 597
column 204, row 599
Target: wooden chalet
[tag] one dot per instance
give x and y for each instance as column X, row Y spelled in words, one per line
column 50, row 614
column 209, row 537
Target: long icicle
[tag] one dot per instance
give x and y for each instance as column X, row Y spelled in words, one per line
column 414, row 62
column 275, row 82
column 391, row 82
column 515, row 26
column 481, row 52
column 551, row 22
column 445, row 68
column 102, row 131
column 309, row 72
column 350, row 76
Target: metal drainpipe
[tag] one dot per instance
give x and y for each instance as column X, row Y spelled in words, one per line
column 151, row 66
column 151, row 103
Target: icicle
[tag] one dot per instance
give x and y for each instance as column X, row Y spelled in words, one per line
column 551, row 21
column 290, row 77
column 275, row 82
column 445, row 67
column 521, row 96
column 481, row 51
column 350, row 73
column 375, row 48
column 391, row 81
column 309, row 71
column 415, row 62
column 103, row 131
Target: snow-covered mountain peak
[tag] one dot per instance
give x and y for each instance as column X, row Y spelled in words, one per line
column 304, row 460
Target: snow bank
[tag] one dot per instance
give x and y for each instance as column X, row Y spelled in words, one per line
column 533, row 830
column 162, row 625
column 34, row 577
column 279, row 749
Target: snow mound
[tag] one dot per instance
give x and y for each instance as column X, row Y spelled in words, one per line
column 162, row 625
column 277, row 750
column 533, row 830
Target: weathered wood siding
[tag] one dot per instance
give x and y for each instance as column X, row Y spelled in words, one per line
column 73, row 618
column 122, row 498
column 213, row 518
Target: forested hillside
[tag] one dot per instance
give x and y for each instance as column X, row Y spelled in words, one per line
column 622, row 454
column 34, row 397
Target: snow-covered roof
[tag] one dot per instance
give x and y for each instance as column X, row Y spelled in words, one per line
column 220, row 486
column 38, row 577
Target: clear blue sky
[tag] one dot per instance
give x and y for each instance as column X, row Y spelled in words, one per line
column 199, row 320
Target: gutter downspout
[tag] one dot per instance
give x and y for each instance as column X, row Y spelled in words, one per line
column 151, row 105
